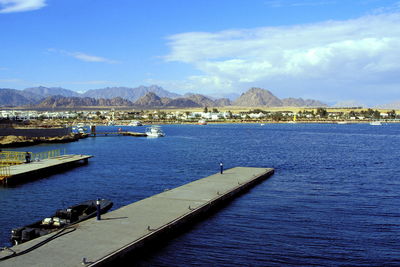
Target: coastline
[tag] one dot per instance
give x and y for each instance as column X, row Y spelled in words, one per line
column 21, row 141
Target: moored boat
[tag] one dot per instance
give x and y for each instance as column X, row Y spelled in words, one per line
column 202, row 122
column 61, row 219
column 135, row 123
column 154, row 131
column 375, row 123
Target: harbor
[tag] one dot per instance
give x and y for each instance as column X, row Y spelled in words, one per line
column 120, row 232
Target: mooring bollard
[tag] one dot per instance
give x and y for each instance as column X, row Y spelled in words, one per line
column 221, row 165
column 98, row 209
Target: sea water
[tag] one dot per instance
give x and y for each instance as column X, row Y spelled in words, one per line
column 334, row 198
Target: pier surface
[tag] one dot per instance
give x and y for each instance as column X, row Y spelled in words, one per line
column 96, row 243
column 27, row 171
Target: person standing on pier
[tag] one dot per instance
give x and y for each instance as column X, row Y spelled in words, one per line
column 27, row 157
column 221, row 165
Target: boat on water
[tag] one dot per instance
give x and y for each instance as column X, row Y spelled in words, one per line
column 135, row 123
column 202, row 122
column 375, row 123
column 154, row 131
column 80, row 128
column 61, row 219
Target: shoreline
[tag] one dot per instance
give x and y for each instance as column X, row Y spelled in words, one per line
column 22, row 141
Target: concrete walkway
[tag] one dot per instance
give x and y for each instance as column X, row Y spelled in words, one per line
column 121, row 231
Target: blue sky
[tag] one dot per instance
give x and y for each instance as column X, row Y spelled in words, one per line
column 330, row 50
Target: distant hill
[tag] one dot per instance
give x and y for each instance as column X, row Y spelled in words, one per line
column 49, row 91
column 257, row 97
column 131, row 94
column 299, row 102
column 72, row 102
column 149, row 100
column 142, row 96
column 204, row 101
column 13, row 97
column 392, row 105
column 188, row 101
column 348, row 104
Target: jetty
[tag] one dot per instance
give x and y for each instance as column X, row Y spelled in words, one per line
column 17, row 172
column 122, row 232
column 94, row 133
column 122, row 133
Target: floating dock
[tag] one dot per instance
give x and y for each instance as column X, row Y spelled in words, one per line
column 121, row 232
column 35, row 169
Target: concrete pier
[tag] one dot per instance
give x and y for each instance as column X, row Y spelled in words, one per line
column 121, row 232
column 35, row 169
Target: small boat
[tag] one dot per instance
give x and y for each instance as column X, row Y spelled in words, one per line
column 135, row 123
column 375, row 123
column 80, row 128
column 154, row 131
column 61, row 219
column 202, row 122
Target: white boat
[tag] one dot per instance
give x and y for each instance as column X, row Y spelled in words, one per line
column 135, row 123
column 154, row 131
column 376, row 123
column 202, row 122
column 80, row 128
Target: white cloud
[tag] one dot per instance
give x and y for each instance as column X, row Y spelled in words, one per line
column 346, row 53
column 11, row 6
column 83, row 56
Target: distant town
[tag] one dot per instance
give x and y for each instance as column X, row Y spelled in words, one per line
column 210, row 115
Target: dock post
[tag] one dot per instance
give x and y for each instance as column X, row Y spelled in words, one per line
column 221, row 165
column 98, row 209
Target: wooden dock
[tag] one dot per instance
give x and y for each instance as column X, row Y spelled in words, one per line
column 121, row 232
column 35, row 169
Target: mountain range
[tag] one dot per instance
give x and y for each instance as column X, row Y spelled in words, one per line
column 142, row 96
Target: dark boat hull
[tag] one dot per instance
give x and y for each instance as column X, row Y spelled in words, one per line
column 61, row 219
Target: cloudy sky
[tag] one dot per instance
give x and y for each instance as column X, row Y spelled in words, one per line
column 330, row 50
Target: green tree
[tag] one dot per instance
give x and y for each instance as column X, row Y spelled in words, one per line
column 392, row 114
column 322, row 112
column 376, row 115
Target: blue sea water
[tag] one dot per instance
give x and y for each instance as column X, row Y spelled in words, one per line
column 333, row 200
